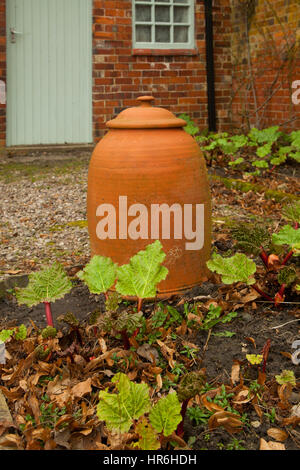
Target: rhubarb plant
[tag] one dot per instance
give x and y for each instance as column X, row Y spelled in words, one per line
column 45, row 286
column 141, row 276
column 122, row 410
column 239, row 268
column 99, row 274
column 19, row 333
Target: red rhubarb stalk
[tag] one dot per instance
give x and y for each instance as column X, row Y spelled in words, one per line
column 125, row 339
column 179, row 430
column 265, row 353
column 48, row 314
column 288, row 256
column 139, row 307
column 266, row 296
column 264, row 256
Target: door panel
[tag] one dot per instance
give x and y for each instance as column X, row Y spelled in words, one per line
column 49, row 77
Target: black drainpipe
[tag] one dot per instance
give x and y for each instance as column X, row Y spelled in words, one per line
column 210, row 72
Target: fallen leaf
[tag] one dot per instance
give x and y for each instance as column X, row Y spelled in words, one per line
column 264, row 445
column 277, row 434
column 228, row 420
column 82, row 388
column 235, row 373
column 148, row 352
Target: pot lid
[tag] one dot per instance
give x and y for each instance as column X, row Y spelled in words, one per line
column 145, row 116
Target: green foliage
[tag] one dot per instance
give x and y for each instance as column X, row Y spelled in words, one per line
column 287, row 275
column 238, row 268
column 286, row 376
column 50, row 414
column 250, row 236
column 236, row 162
column 189, row 385
column 148, row 436
column 70, row 319
column 265, row 136
column 199, row 415
column 165, row 414
column 6, row 334
column 260, row 164
column 140, row 277
column 271, row 145
column 128, row 321
column 254, row 359
column 119, row 410
column 41, row 353
column 292, row 212
column 46, row 285
column 190, row 128
column 287, row 236
column 99, row 274
column 214, row 316
column 113, row 301
column 21, row 334
column 49, row 332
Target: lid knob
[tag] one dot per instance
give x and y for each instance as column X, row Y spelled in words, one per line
column 145, row 100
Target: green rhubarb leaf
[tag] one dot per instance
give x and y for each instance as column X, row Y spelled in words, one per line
column 238, row 161
column 6, row 334
column 286, row 376
column 264, row 150
column 148, row 436
column 140, row 277
column 295, row 156
column 118, row 410
column 238, row 268
column 99, row 274
column 22, row 333
column 254, row 359
column 46, row 285
column 260, row 164
column 287, row 275
column 165, row 414
column 287, row 236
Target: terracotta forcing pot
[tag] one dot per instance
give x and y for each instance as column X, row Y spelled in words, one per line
column 147, row 180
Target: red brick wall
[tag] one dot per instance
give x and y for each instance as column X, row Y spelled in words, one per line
column 2, row 69
column 274, row 37
column 176, row 80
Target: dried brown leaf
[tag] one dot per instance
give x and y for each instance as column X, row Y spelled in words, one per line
column 264, row 445
column 277, row 434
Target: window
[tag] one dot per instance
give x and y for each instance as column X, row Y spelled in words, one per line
column 163, row 24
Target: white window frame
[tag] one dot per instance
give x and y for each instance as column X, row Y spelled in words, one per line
column 164, row 45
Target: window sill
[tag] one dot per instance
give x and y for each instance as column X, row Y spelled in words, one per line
column 165, row 52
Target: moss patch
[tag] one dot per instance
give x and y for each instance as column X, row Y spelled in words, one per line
column 245, row 187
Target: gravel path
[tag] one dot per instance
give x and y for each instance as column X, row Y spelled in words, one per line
column 43, row 210
column 43, row 216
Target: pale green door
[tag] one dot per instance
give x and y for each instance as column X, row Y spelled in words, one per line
column 49, row 76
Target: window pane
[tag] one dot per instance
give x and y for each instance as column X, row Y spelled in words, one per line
column 143, row 13
column 162, row 14
column 162, row 1
column 181, row 1
column 181, row 15
column 143, row 33
column 162, row 34
column 181, row 34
